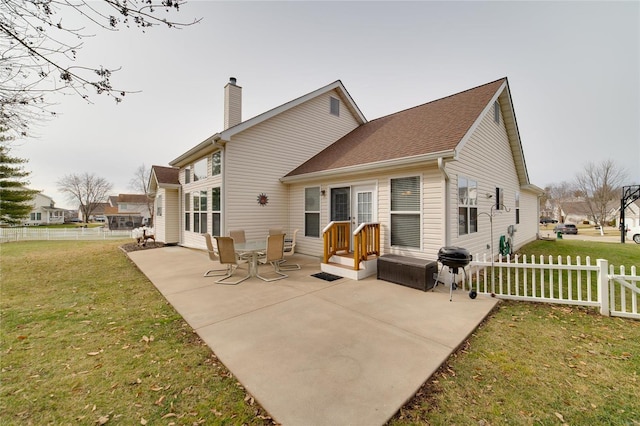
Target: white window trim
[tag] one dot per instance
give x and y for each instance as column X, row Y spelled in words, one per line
column 467, row 206
column 334, row 101
column 305, row 211
column 420, row 211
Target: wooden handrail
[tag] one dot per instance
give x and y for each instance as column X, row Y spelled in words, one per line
column 336, row 238
column 366, row 242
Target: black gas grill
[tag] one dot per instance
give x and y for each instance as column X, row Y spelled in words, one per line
column 454, row 258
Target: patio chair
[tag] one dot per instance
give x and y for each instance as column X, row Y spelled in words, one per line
column 227, row 254
column 214, row 258
column 274, row 255
column 289, row 250
column 238, row 236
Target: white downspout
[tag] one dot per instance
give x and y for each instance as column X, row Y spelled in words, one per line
column 220, row 144
column 447, row 236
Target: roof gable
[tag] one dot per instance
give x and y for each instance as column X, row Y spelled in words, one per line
column 162, row 176
column 226, row 135
column 437, row 127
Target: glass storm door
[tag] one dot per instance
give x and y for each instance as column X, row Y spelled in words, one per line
column 340, row 205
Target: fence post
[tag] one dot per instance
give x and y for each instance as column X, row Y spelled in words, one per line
column 603, row 286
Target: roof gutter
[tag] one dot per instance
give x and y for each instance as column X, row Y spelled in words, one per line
column 196, row 151
column 369, row 167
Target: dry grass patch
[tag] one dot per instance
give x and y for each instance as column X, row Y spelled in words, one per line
column 537, row 364
column 85, row 338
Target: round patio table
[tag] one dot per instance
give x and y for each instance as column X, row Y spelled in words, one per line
column 251, row 250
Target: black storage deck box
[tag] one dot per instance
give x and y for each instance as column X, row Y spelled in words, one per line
column 408, row 271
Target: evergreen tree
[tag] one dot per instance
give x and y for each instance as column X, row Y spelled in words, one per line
column 15, row 198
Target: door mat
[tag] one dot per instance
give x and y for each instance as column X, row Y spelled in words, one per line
column 325, row 276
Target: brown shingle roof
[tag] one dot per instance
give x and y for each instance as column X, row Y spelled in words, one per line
column 167, row 175
column 432, row 127
column 133, row 198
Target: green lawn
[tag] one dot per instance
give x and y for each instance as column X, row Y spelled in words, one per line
column 85, row 338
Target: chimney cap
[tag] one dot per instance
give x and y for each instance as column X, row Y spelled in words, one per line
column 232, row 80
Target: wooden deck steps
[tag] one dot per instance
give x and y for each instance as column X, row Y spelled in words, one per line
column 342, row 265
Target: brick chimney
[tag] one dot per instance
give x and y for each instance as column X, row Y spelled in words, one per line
column 232, row 104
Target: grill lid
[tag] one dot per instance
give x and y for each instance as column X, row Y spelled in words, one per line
column 454, row 256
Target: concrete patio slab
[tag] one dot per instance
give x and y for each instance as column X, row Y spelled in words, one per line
column 314, row 352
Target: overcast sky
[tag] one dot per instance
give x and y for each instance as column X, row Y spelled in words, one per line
column 573, row 70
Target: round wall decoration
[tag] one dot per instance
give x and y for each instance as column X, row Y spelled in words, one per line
column 263, row 199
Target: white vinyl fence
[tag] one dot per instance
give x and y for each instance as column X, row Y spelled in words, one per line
column 35, row 233
column 567, row 281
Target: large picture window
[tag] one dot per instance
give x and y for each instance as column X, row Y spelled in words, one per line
column 200, row 212
column 216, row 208
column 467, row 206
column 312, row 212
column 200, row 170
column 405, row 212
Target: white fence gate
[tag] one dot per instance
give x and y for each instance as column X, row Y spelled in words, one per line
column 556, row 281
column 35, row 234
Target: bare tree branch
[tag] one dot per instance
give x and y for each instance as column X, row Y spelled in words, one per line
column 600, row 186
column 39, row 46
column 139, row 183
column 87, row 189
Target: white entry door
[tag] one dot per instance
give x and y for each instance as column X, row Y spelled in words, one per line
column 363, row 206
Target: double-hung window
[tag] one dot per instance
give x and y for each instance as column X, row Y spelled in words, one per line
column 312, row 212
column 216, row 208
column 200, row 212
column 517, row 207
column 467, row 206
column 159, row 205
column 187, row 211
column 216, row 163
column 405, row 212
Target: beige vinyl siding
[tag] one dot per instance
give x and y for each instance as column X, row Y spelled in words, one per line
column 167, row 226
column 432, row 234
column 529, row 225
column 487, row 158
column 258, row 157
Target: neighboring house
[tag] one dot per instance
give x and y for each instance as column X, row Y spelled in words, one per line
column 97, row 214
column 429, row 174
column 44, row 212
column 128, row 211
column 577, row 212
column 631, row 215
